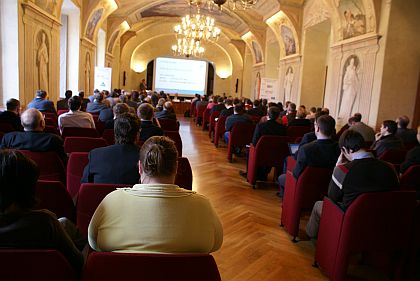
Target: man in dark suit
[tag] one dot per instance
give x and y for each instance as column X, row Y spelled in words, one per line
column 147, row 128
column 323, row 152
column 256, row 110
column 63, row 103
column 386, row 138
column 408, row 136
column 228, row 110
column 33, row 138
column 118, row 109
column 41, row 102
column 413, row 156
column 167, row 112
column 97, row 105
column 219, row 106
column 116, row 164
column 238, row 116
column 84, row 101
column 11, row 114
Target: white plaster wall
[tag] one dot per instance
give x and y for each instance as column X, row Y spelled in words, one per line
column 73, row 44
column 101, row 46
column 9, row 56
column 63, row 54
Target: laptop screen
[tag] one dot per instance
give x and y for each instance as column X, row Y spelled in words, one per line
column 293, row 147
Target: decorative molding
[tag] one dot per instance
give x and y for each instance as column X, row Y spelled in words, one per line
column 316, row 12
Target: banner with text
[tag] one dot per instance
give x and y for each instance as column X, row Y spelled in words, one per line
column 270, row 89
column 103, row 76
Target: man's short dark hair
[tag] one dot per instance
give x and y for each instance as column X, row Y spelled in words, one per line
column 12, row 104
column 229, row 102
column 351, row 140
column 239, row 108
column 292, row 106
column 74, row 103
column 120, row 108
column 126, row 128
column 68, row 94
column 81, row 94
column 403, row 121
column 18, row 177
column 390, row 125
column 326, row 125
column 98, row 96
column 256, row 103
column 41, row 94
column 273, row 112
column 220, row 99
column 358, row 117
column 145, row 111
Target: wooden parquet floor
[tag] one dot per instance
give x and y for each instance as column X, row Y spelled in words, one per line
column 255, row 247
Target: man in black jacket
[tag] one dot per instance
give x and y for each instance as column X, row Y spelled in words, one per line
column 116, row 164
column 147, row 128
column 357, row 171
column 386, row 138
column 11, row 114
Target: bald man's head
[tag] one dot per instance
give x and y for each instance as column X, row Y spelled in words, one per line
column 32, row 120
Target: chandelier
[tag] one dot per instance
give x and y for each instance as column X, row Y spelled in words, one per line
column 187, row 47
column 197, row 27
column 232, row 4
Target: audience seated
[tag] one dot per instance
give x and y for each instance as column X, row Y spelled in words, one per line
column 357, row 125
column 75, row 117
column 357, row 171
column 238, row 116
column 33, row 138
column 320, row 153
column 11, row 114
column 228, row 110
column 63, row 103
column 291, row 114
column 97, row 105
column 147, row 128
column 167, row 112
column 219, row 106
column 84, row 101
column 413, row 155
column 21, row 227
column 116, row 163
column 256, row 110
column 42, row 103
column 118, row 109
column 408, row 136
column 386, row 138
column 300, row 119
column 156, row 216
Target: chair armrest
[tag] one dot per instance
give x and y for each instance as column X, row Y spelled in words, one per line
column 291, row 163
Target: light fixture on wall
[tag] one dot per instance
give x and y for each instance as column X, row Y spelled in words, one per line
column 232, row 4
column 187, row 47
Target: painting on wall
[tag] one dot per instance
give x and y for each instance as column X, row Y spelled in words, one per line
column 288, row 40
column 93, row 21
column 257, row 52
column 350, row 86
column 112, row 41
column 353, row 18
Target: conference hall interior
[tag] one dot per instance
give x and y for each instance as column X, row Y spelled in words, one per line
column 271, row 108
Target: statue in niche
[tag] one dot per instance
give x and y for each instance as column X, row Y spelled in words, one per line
column 42, row 61
column 257, row 89
column 87, row 74
column 288, row 83
column 349, row 88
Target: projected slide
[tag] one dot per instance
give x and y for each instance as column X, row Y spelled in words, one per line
column 180, row 76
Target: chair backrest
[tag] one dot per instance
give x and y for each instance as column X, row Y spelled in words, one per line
column 219, row 129
column 52, row 130
column 51, row 115
column 241, row 133
column 174, row 135
column 410, row 180
column 50, row 121
column 272, row 150
column 82, row 144
column 100, row 127
column 104, row 266
column 109, row 136
column 6, row 127
column 169, row 124
column 206, row 115
column 75, row 166
column 50, row 165
column 90, row 196
column 53, row 196
column 35, row 265
column 393, row 156
column 79, row 132
column 192, row 109
column 297, row 131
column 62, row 111
column 184, row 176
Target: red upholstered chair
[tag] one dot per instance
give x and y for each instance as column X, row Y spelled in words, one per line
column 52, row 130
column 184, row 176
column 50, row 165
column 50, row 115
column 192, row 109
column 107, row 266
column 35, row 265
column 410, row 180
column 53, row 196
column 108, row 135
column 75, row 166
column 297, row 131
column 79, row 132
column 394, row 156
column 212, row 122
column 95, row 116
column 6, row 127
column 219, row 130
column 62, row 111
column 291, row 163
column 301, row 195
column 82, row 144
column 206, row 117
column 169, row 124
column 270, row 151
column 174, row 135
column 89, row 198
column 375, row 223
column 255, row 118
column 51, row 121
column 240, row 135
column 199, row 110
column 100, row 127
